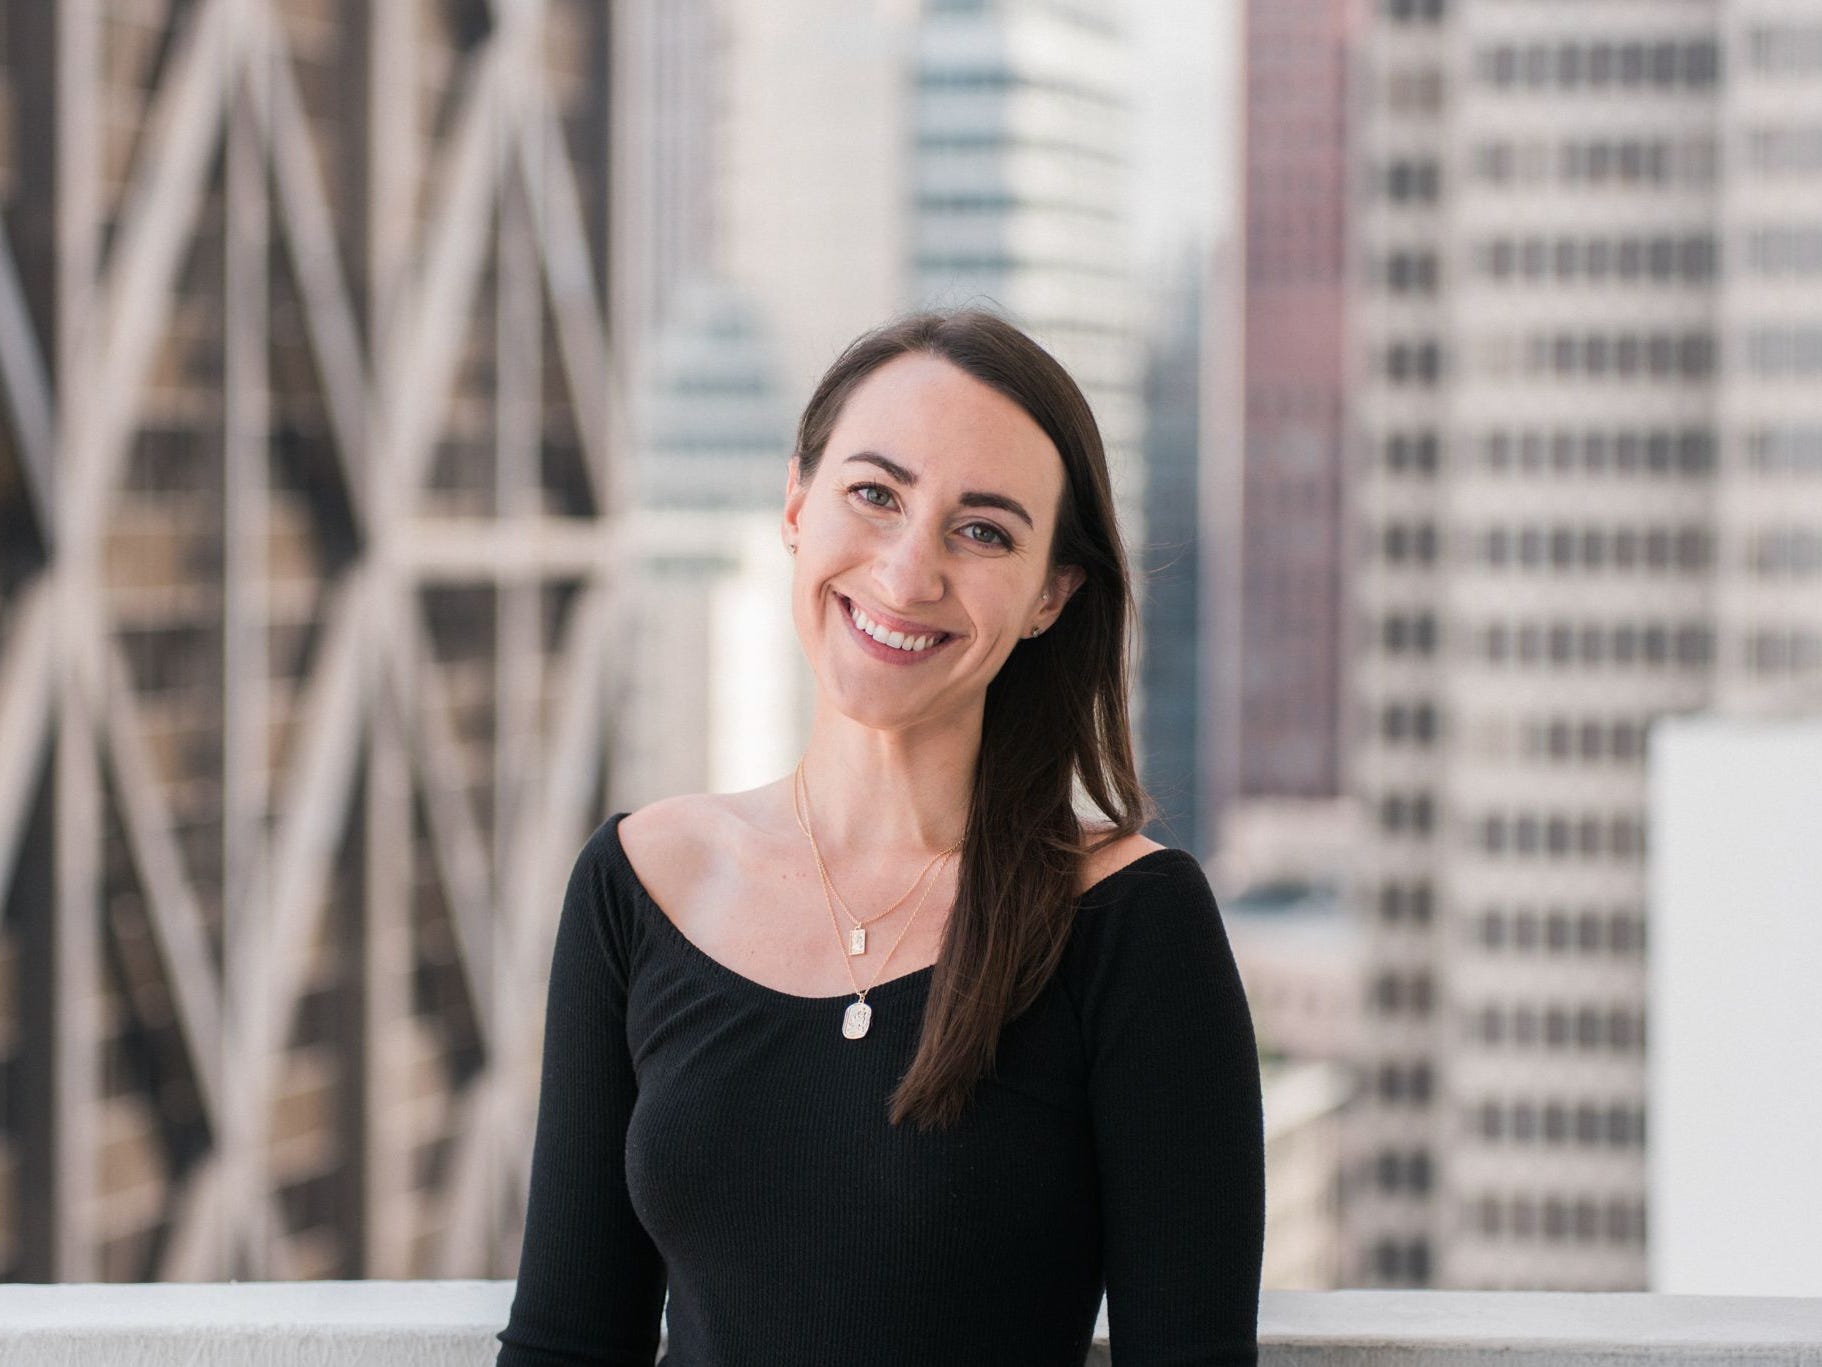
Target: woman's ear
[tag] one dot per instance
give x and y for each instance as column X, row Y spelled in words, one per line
column 1061, row 585
column 1064, row 583
column 793, row 503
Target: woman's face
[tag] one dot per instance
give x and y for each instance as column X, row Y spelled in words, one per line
column 933, row 510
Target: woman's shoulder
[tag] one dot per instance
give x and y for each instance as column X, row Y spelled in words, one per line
column 671, row 830
column 1150, row 927
column 669, row 847
column 1136, row 887
column 1100, row 864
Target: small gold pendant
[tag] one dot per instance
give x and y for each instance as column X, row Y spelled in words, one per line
column 857, row 940
column 855, row 1019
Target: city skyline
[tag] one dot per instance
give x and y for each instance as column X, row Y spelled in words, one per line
column 394, row 411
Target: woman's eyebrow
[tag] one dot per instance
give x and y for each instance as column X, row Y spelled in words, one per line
column 972, row 498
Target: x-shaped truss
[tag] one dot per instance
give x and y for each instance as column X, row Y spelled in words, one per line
column 502, row 172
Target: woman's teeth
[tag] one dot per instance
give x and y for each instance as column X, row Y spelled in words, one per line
column 896, row 639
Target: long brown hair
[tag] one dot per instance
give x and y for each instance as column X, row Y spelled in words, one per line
column 1055, row 713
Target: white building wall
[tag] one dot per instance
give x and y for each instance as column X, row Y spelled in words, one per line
column 1735, row 1064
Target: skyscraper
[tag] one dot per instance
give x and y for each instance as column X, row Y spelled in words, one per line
column 668, row 70
column 307, row 601
column 1285, row 635
column 1172, row 672
column 1768, row 513
column 1582, row 504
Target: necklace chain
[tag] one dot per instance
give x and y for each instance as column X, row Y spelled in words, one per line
column 859, row 1015
column 846, row 910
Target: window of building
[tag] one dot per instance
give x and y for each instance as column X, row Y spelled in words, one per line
column 1785, row 49
column 1413, row 180
column 1422, row 903
column 1412, row 452
column 1413, row 11
column 1540, row 68
column 1786, row 249
column 1489, row 1211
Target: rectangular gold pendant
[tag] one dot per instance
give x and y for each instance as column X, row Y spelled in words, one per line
column 857, row 940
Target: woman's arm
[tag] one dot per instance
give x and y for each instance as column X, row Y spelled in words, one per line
column 1179, row 1128
column 591, row 1284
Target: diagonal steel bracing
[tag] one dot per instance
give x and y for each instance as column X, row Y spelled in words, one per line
column 345, row 743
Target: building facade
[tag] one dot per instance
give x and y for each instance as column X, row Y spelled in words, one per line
column 1286, row 634
column 1172, row 673
column 1585, row 495
column 308, row 597
column 1768, row 512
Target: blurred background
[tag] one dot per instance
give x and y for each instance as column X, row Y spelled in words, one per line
column 394, row 407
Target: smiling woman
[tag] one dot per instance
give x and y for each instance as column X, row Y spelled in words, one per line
column 1054, row 1094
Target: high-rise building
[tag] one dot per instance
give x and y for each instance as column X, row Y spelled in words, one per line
column 668, row 71
column 717, row 428
column 1284, row 634
column 1576, row 394
column 1768, row 320
column 309, row 603
column 1172, row 670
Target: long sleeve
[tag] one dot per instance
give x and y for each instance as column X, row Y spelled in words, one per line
column 1178, row 1120
column 591, row 1284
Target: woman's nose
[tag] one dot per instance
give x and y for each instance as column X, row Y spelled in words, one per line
column 910, row 570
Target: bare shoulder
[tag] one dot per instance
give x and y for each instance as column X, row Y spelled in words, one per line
column 1110, row 859
column 667, row 840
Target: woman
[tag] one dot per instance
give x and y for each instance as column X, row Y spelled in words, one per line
column 892, row 1061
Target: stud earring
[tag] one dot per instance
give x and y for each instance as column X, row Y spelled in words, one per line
column 1045, row 599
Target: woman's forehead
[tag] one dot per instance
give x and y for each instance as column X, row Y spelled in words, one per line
column 932, row 417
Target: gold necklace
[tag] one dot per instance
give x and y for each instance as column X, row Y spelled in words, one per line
column 857, row 934
column 858, row 1016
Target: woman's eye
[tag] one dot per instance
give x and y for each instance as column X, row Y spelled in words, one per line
column 862, row 489
column 999, row 538
column 995, row 536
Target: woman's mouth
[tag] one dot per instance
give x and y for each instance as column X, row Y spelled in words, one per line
column 880, row 643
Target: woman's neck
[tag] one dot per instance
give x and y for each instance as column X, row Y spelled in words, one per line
column 886, row 795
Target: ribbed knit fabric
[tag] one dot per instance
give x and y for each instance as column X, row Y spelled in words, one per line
column 702, row 1134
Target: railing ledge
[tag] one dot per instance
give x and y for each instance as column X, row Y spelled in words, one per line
column 367, row 1323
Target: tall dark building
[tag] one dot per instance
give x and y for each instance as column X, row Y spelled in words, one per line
column 1287, row 639
column 1171, row 669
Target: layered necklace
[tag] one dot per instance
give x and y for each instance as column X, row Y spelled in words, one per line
column 859, row 1015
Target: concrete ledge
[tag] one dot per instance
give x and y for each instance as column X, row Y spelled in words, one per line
column 397, row 1324
column 1536, row 1329
column 260, row 1324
